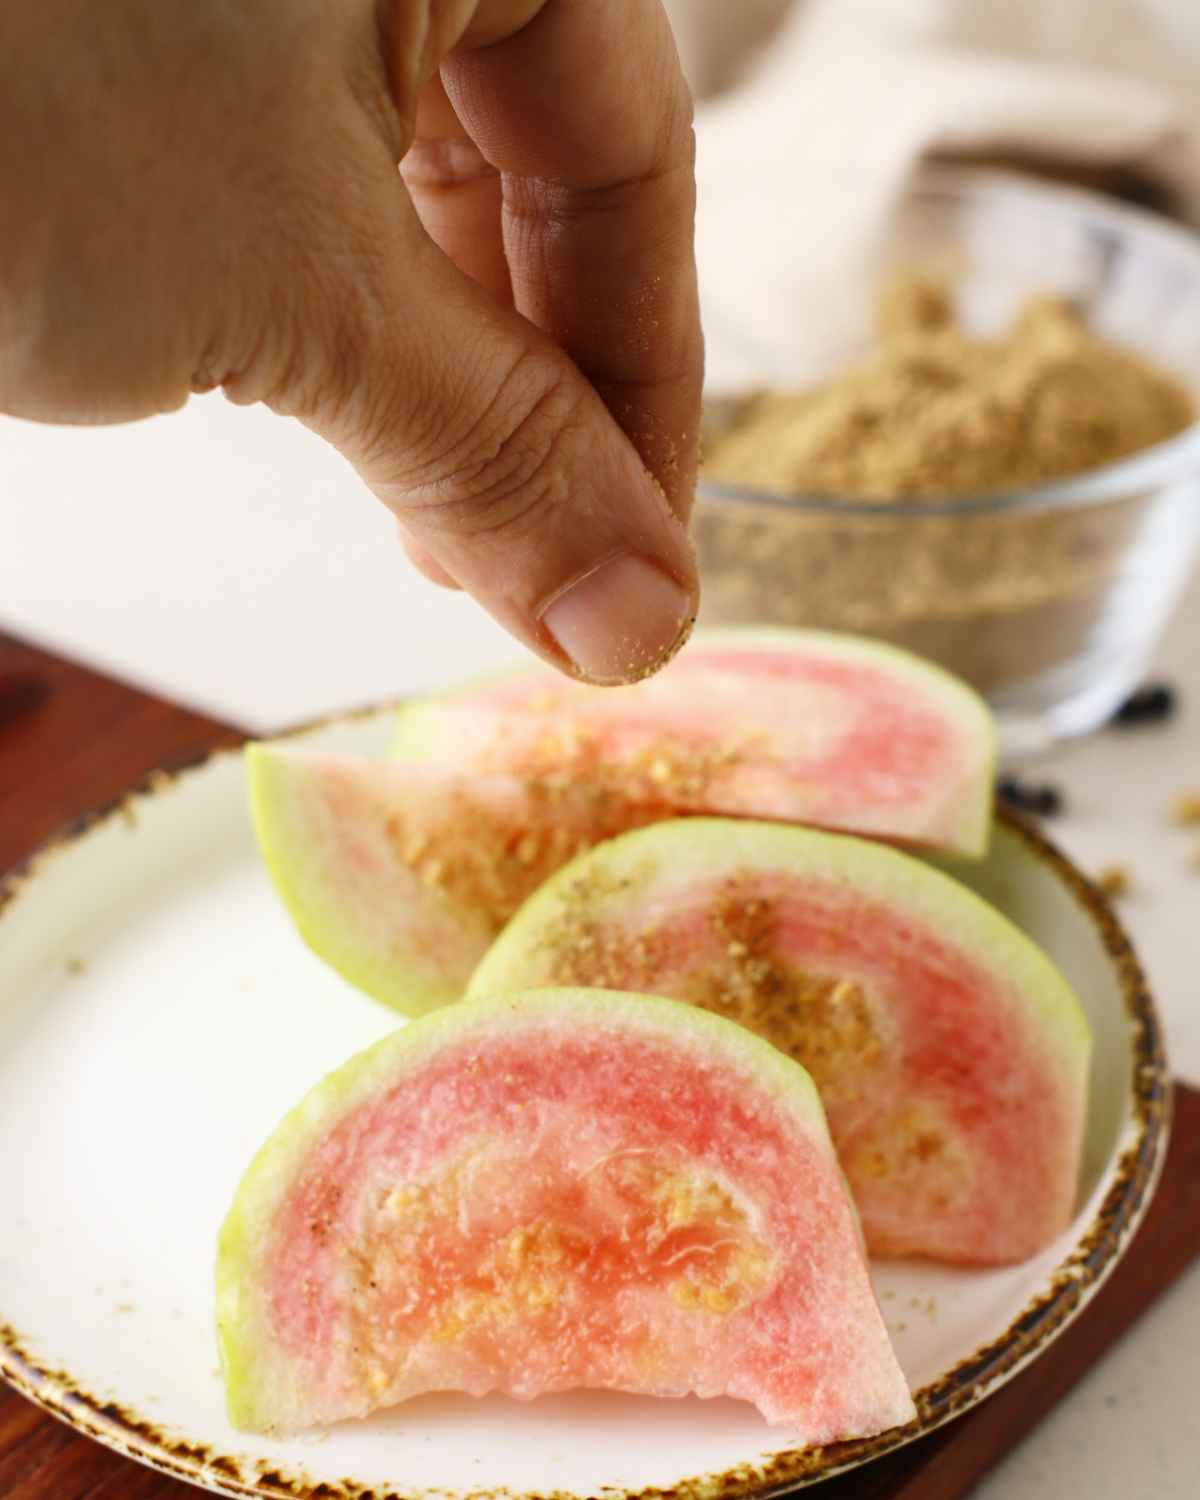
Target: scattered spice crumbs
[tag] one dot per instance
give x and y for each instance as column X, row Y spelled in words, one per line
column 735, row 971
column 1114, row 880
column 75, row 966
column 1186, row 809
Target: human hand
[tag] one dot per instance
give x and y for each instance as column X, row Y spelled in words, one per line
column 502, row 338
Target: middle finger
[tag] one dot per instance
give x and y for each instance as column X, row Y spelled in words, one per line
column 457, row 193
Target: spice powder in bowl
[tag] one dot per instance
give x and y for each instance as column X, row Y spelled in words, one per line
column 931, row 412
column 842, row 507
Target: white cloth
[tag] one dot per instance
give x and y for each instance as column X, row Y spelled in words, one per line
column 834, row 102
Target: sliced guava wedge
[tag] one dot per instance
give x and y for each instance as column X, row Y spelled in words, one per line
column 547, row 1192
column 950, row 1054
column 400, row 876
column 793, row 726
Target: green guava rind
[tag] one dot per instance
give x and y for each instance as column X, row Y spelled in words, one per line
column 311, row 881
column 262, row 1390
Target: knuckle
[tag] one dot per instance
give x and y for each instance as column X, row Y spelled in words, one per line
column 444, row 164
column 513, row 463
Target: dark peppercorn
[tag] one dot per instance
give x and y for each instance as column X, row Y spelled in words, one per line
column 1043, row 800
column 1152, row 704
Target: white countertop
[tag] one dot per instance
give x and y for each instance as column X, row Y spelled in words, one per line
column 227, row 559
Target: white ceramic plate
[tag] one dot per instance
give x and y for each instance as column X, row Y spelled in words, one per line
column 158, row 1015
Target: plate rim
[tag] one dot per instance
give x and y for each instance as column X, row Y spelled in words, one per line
column 1071, row 1285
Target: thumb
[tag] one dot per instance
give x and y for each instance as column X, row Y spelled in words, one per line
column 500, row 460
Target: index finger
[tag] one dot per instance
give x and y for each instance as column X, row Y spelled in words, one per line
column 586, row 115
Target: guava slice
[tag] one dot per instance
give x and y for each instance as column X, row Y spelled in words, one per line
column 950, row 1054
column 547, row 1192
column 400, row 876
column 793, row 726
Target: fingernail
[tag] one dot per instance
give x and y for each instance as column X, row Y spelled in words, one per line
column 620, row 622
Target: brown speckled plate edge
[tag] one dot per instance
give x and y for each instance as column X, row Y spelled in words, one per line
column 1072, row 1286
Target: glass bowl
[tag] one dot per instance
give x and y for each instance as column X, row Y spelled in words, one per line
column 1048, row 600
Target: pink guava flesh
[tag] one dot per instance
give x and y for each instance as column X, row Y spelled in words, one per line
column 957, row 1119
column 577, row 1207
column 816, row 732
column 400, row 876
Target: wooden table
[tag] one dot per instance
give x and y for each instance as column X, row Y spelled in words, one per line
column 71, row 740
